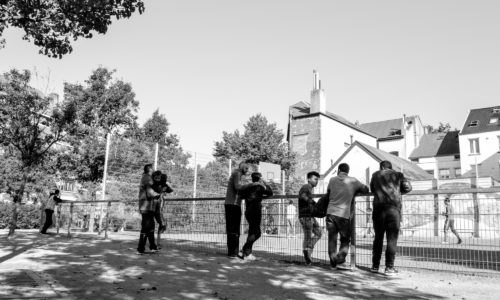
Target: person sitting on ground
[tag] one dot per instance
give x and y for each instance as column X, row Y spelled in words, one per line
column 310, row 227
column 253, row 213
column 147, row 210
column 49, row 210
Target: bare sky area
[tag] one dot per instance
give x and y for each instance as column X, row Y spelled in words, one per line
column 210, row 65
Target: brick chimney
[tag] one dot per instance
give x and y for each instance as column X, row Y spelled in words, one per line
column 318, row 99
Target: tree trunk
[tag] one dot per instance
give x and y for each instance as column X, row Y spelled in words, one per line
column 18, row 197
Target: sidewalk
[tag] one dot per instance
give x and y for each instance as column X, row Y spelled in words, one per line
column 88, row 267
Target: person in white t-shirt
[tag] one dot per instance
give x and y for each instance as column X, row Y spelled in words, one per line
column 49, row 210
column 291, row 217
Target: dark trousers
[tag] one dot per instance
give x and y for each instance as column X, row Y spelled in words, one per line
column 386, row 220
column 233, row 222
column 147, row 232
column 254, row 217
column 338, row 226
column 48, row 220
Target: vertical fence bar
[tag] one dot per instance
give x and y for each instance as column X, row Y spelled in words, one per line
column 195, row 176
column 436, row 208
column 70, row 219
column 42, row 211
column 107, row 220
column 353, row 234
column 58, row 218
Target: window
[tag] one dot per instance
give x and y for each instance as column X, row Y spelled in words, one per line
column 474, row 146
column 395, row 153
column 473, row 123
column 457, row 156
column 430, row 172
column 444, row 173
column 494, row 120
column 394, row 132
column 496, row 111
column 458, row 172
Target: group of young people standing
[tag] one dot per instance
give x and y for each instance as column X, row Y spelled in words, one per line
column 387, row 186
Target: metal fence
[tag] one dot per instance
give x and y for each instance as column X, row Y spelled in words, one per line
column 423, row 243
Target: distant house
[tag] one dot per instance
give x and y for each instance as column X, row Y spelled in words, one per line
column 480, row 143
column 319, row 137
column 364, row 160
column 397, row 136
column 439, row 155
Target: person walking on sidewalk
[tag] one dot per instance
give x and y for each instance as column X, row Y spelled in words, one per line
column 310, row 227
column 147, row 198
column 49, row 210
column 341, row 191
column 449, row 222
column 253, row 213
column 387, row 187
column 232, row 208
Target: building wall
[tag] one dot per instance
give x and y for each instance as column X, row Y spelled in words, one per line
column 488, row 159
column 434, row 164
column 336, row 138
column 413, row 135
column 392, row 145
column 360, row 162
column 305, row 141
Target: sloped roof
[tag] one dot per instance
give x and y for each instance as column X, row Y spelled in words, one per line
column 411, row 170
column 385, row 129
column 301, row 109
column 482, row 116
column 437, row 144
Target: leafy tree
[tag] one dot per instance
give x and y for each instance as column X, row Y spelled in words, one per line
column 442, row 127
column 30, row 127
column 261, row 141
column 52, row 24
column 105, row 106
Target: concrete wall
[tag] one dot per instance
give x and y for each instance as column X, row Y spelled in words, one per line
column 336, row 138
column 436, row 163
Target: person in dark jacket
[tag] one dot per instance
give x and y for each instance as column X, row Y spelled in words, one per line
column 310, row 227
column 147, row 210
column 387, row 187
column 162, row 187
column 232, row 207
column 253, row 213
column 49, row 210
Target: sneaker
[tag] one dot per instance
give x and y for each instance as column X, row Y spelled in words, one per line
column 374, row 270
column 344, row 266
column 154, row 250
column 250, row 257
column 307, row 257
column 232, row 256
column 140, row 253
column 241, row 254
column 391, row 272
column 459, row 241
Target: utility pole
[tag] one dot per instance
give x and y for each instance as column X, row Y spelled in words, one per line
column 193, row 215
column 156, row 157
column 104, row 179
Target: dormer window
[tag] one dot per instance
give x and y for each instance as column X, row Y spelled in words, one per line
column 496, row 111
column 494, row 120
column 473, row 123
column 394, row 132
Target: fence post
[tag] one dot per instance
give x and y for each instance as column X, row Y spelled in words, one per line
column 353, row 234
column 70, row 219
column 193, row 213
column 475, row 201
column 58, row 218
column 107, row 220
column 436, row 208
column 42, row 211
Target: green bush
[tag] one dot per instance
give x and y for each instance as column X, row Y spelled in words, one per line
column 28, row 216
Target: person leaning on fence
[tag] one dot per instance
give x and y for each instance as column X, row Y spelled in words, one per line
column 310, row 227
column 162, row 187
column 232, row 208
column 253, row 213
column 342, row 189
column 387, row 187
column 49, row 210
column 147, row 209
column 449, row 222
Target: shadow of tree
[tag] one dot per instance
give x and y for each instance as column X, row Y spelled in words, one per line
column 90, row 267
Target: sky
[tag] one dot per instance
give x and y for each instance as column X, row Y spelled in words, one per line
column 208, row 66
